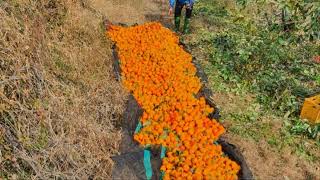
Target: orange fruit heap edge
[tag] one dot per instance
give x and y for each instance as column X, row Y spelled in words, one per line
column 162, row 78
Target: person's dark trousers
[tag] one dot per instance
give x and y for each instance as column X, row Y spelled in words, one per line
column 177, row 16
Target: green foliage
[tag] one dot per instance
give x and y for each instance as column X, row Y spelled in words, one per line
column 276, row 64
column 318, row 79
column 303, row 128
column 254, row 127
column 212, row 15
column 303, row 15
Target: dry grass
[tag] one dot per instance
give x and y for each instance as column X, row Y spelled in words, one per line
column 58, row 96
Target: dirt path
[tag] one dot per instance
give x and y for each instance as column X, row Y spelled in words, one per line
column 132, row 11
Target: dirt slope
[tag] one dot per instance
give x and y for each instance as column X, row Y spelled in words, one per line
column 130, row 11
column 59, row 100
column 58, row 97
column 265, row 161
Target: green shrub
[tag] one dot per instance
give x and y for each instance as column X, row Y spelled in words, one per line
column 277, row 64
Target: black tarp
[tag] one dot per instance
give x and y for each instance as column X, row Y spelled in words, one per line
column 129, row 164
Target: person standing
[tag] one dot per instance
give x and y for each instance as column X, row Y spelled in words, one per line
column 179, row 4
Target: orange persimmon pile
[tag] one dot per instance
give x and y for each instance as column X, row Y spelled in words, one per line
column 162, row 78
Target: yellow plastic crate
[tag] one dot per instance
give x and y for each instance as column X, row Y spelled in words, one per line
column 311, row 109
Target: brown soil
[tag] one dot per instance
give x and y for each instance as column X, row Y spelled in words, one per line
column 265, row 161
column 132, row 11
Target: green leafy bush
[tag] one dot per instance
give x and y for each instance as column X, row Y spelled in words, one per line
column 277, row 64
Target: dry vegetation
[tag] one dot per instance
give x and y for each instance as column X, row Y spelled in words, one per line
column 58, row 98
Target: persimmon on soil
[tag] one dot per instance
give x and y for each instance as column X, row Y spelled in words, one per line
column 162, row 78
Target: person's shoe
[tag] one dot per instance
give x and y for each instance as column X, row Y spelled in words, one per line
column 186, row 27
column 176, row 24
